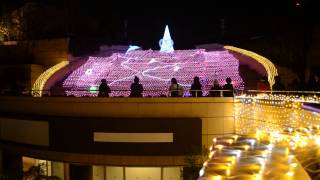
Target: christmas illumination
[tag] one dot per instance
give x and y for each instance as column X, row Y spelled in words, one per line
column 275, row 139
column 166, row 43
column 267, row 64
column 155, row 70
column 37, row 89
column 132, row 48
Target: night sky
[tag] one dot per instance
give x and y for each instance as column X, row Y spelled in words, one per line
column 190, row 23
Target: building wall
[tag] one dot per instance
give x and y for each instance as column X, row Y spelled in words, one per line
column 72, row 121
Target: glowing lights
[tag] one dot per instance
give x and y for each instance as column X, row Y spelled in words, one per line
column 246, row 147
column 37, row 89
column 267, row 64
column 230, row 141
column 155, row 71
column 293, row 165
column 273, row 133
column 228, row 172
column 219, row 146
column 132, row 48
column 261, row 161
column 93, row 89
column 317, row 140
column 166, row 43
column 290, row 173
column 88, row 72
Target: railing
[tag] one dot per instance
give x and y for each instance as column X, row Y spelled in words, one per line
column 123, row 93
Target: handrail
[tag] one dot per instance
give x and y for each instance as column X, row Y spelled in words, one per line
column 186, row 93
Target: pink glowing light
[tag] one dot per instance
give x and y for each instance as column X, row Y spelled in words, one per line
column 155, row 71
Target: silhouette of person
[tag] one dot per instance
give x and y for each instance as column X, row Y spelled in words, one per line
column 278, row 86
column 104, row 89
column 136, row 88
column 228, row 87
column 175, row 89
column 216, row 86
column 196, row 87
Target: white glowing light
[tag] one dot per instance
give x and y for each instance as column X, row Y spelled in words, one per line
column 270, row 147
column 153, row 60
column 176, row 68
column 317, row 140
column 201, row 172
column 219, row 146
column 290, row 173
column 132, row 48
column 88, row 72
column 294, row 165
column 166, row 43
column 290, row 130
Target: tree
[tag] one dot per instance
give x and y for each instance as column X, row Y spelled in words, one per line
column 38, row 173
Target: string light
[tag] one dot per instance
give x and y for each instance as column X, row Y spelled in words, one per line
column 267, row 64
column 155, row 70
column 273, row 132
column 37, row 89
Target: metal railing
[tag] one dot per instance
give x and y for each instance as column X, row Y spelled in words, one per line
column 119, row 93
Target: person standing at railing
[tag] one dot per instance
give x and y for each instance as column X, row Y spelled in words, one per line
column 104, row 89
column 175, row 89
column 215, row 89
column 136, row 88
column 229, row 88
column 196, row 87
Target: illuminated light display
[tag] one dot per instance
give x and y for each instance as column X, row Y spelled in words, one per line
column 274, row 112
column 155, row 70
column 275, row 155
column 267, row 64
column 132, row 48
column 276, row 139
column 238, row 161
column 37, row 89
column 166, row 43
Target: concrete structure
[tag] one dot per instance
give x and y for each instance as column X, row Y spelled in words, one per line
column 76, row 131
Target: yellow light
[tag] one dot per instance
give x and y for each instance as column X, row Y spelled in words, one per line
column 246, row 147
column 228, row 171
column 205, row 163
column 215, row 178
column 317, row 140
column 219, row 146
column 235, row 137
column 214, row 140
column 266, row 63
column 293, row 165
column 230, row 141
column 211, row 154
column 290, row 173
column 39, row 84
column 258, row 176
column 291, row 156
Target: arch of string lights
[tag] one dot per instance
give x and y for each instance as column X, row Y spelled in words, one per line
column 266, row 63
column 155, row 70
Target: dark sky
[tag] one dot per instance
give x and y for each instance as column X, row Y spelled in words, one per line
column 190, row 23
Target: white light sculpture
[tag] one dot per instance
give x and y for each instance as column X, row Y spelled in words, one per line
column 166, row 43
